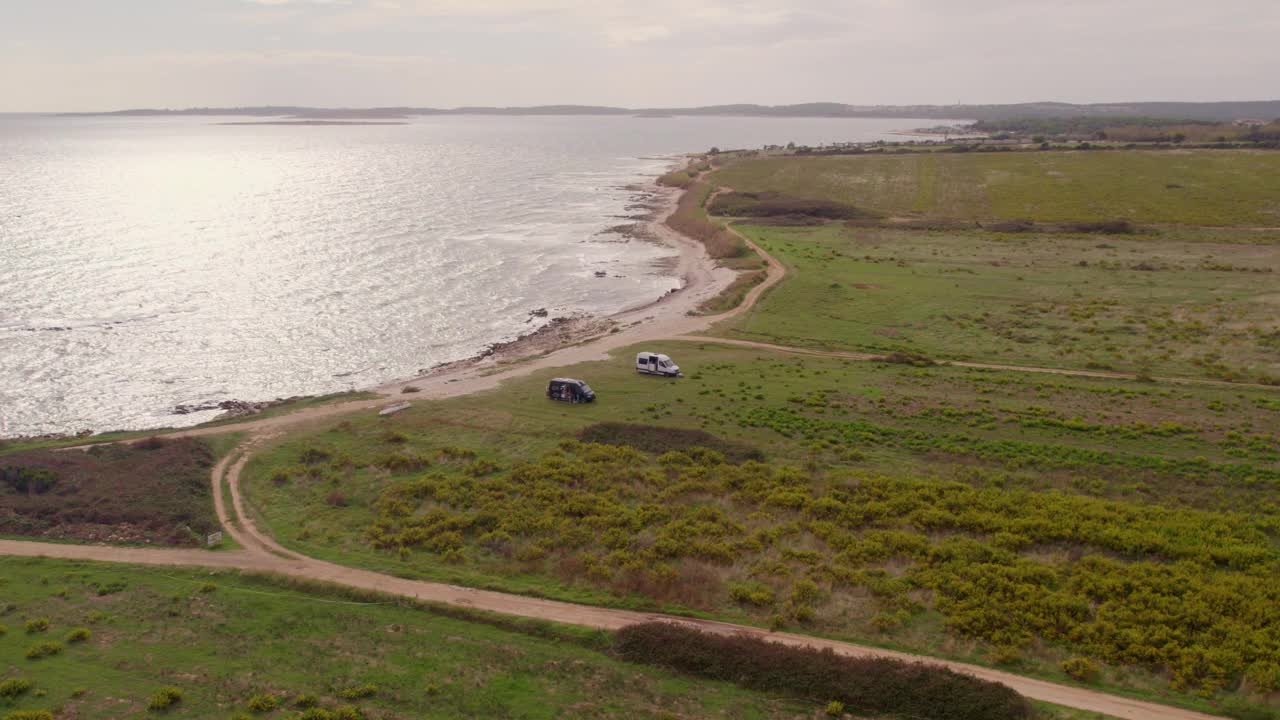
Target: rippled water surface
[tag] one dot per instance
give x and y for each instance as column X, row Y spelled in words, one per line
column 146, row 263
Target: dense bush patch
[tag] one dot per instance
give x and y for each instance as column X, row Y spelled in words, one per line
column 1185, row 591
column 29, row 715
column 156, row 491
column 13, row 687
column 860, row 685
column 263, row 703
column 773, row 204
column 43, row 650
column 165, row 698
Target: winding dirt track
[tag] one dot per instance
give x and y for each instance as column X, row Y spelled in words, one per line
column 666, row 319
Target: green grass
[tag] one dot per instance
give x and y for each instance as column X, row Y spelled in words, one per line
column 222, row 638
column 1131, row 304
column 1216, row 187
column 1127, row 441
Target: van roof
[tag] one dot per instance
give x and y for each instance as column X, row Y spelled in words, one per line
column 566, row 380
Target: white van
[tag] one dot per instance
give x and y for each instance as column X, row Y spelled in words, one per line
column 656, row 364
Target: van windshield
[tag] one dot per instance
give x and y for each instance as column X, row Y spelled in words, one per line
column 586, row 388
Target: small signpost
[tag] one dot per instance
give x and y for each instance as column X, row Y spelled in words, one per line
column 213, row 539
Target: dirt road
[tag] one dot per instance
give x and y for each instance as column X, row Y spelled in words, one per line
column 666, row 319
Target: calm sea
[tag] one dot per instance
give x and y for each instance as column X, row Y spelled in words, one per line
column 147, row 263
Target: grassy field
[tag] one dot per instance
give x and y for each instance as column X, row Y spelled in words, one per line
column 1194, row 187
column 1164, row 306
column 410, row 495
column 223, row 639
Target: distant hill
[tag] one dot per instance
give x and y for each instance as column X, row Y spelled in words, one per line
column 1218, row 111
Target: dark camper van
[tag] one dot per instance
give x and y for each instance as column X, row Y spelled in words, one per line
column 570, row 390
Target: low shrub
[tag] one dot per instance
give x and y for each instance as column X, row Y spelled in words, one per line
column 908, row 358
column 359, row 691
column 658, row 440
column 1082, row 669
column 37, row 625
column 752, row 593
column 43, row 650
column 404, row 462
column 111, row 588
column 1011, row 226
column 263, row 703
column 480, row 468
column 872, row 686
column 29, row 715
column 773, row 204
column 13, row 687
column 453, row 452
column 677, row 179
column 165, row 698
column 78, row 635
column 303, row 702
column 1103, row 227
column 313, row 456
column 835, row 708
column 33, row 480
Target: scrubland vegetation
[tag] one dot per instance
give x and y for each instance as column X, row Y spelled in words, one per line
column 1125, row 584
column 154, row 491
column 1118, row 532
column 993, row 516
column 856, row 685
column 1122, row 532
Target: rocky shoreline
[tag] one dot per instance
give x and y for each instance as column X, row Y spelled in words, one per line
column 648, row 206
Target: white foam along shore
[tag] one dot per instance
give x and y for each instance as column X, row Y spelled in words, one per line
column 674, row 313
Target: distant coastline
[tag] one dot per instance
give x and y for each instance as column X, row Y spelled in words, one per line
column 315, row 122
column 1218, row 111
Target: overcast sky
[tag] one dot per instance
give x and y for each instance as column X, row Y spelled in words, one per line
column 58, row 55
